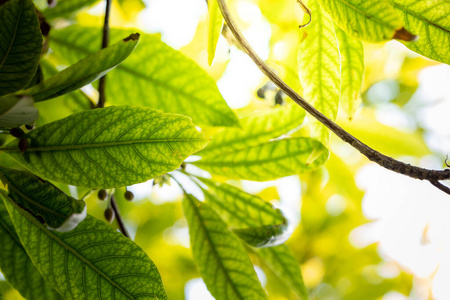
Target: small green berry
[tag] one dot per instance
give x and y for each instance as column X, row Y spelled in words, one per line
column 279, row 97
column 109, row 215
column 129, row 196
column 102, row 194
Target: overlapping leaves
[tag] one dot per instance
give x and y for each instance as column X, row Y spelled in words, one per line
column 16, row 265
column 85, row 71
column 318, row 59
column 16, row 111
column 93, row 261
column 221, row 257
column 20, row 44
column 155, row 75
column 46, row 202
column 109, row 147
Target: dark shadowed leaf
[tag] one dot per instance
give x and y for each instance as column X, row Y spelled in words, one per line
column 44, row 200
column 20, row 44
column 16, row 265
column 65, row 8
column 93, row 261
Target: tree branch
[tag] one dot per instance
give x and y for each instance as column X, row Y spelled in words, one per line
column 115, row 208
column 385, row 161
column 105, row 41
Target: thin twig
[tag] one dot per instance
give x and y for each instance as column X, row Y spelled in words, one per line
column 373, row 155
column 440, row 186
column 105, row 41
column 115, row 208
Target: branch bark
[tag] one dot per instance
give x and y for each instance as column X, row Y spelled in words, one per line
column 383, row 160
column 105, row 41
column 119, row 219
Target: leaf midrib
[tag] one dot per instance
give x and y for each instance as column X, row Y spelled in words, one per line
column 64, row 245
column 99, row 145
column 14, row 35
column 408, row 11
column 216, row 254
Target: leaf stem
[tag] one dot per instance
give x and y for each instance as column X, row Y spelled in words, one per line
column 385, row 161
column 105, row 41
column 119, row 219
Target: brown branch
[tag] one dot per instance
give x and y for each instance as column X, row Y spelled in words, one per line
column 440, row 186
column 385, row 161
column 120, row 223
column 105, row 41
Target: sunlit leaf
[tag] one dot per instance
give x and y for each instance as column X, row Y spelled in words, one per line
column 17, row 111
column 65, row 8
column 352, row 71
column 215, row 21
column 44, row 200
column 16, row 265
column 109, row 147
column 85, row 71
column 93, row 261
column 284, row 264
column 220, row 256
column 240, row 209
column 318, row 59
column 155, row 75
column 369, row 20
column 255, row 129
column 268, row 161
column 430, row 20
column 20, row 44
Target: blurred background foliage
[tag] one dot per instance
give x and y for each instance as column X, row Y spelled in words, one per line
column 331, row 209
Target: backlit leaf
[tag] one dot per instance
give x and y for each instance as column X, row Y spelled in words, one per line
column 155, row 75
column 318, row 59
column 17, row 111
column 44, row 200
column 268, row 161
column 240, row 209
column 93, row 261
column 352, row 71
column 220, row 256
column 20, row 44
column 255, row 129
column 16, row 265
column 369, row 20
column 430, row 20
column 215, row 24
column 109, row 147
column 85, row 71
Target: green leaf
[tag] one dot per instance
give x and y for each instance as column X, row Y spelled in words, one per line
column 215, row 24
column 268, row 161
column 20, row 45
column 369, row 20
column 285, row 266
column 65, row 8
column 224, row 265
column 318, row 59
column 16, row 265
column 37, row 78
column 44, row 200
column 352, row 71
column 17, row 111
column 133, row 145
column 155, row 75
column 429, row 20
column 85, row 71
column 93, row 261
column 240, row 209
column 255, row 130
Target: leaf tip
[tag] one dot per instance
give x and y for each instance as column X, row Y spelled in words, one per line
column 132, row 37
column 404, row 35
